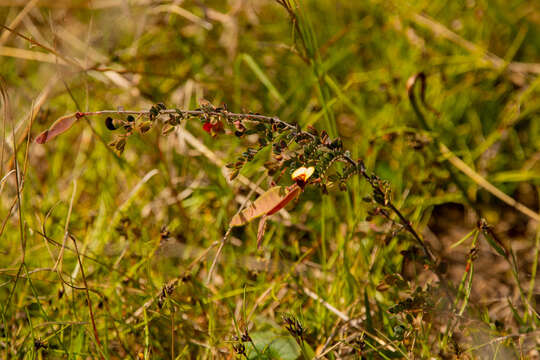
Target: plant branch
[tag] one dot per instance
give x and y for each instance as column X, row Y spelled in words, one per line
column 380, row 188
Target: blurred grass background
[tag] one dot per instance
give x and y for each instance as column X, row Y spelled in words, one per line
column 339, row 66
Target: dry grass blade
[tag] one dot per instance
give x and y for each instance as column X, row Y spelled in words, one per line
column 454, row 160
column 5, row 119
column 59, row 261
column 480, row 180
column 496, row 61
column 48, row 49
column 16, row 21
column 175, row 9
column 34, row 111
column 344, row 317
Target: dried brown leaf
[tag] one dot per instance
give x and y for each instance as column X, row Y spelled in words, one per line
column 60, row 126
column 273, row 200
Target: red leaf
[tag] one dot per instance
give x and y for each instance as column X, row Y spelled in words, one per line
column 60, row 126
column 269, row 203
column 290, row 195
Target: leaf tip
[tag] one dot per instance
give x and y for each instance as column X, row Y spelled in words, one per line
column 42, row 138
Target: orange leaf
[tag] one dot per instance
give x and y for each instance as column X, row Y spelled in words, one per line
column 60, row 126
column 291, row 194
column 268, row 203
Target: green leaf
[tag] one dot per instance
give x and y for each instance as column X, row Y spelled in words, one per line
column 457, row 243
column 270, row 345
column 498, row 248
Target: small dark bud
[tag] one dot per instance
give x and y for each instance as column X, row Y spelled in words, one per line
column 234, row 174
column 120, row 145
column 245, row 337
column 39, row 344
column 173, row 120
column 324, row 137
column 293, row 326
column 312, row 130
column 145, row 126
column 239, row 348
column 109, row 123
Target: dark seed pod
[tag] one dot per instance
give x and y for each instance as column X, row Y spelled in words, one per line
column 110, row 124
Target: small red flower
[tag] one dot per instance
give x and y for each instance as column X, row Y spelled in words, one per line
column 213, row 128
column 207, row 127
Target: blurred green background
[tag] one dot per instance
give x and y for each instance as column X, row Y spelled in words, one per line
column 338, row 66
